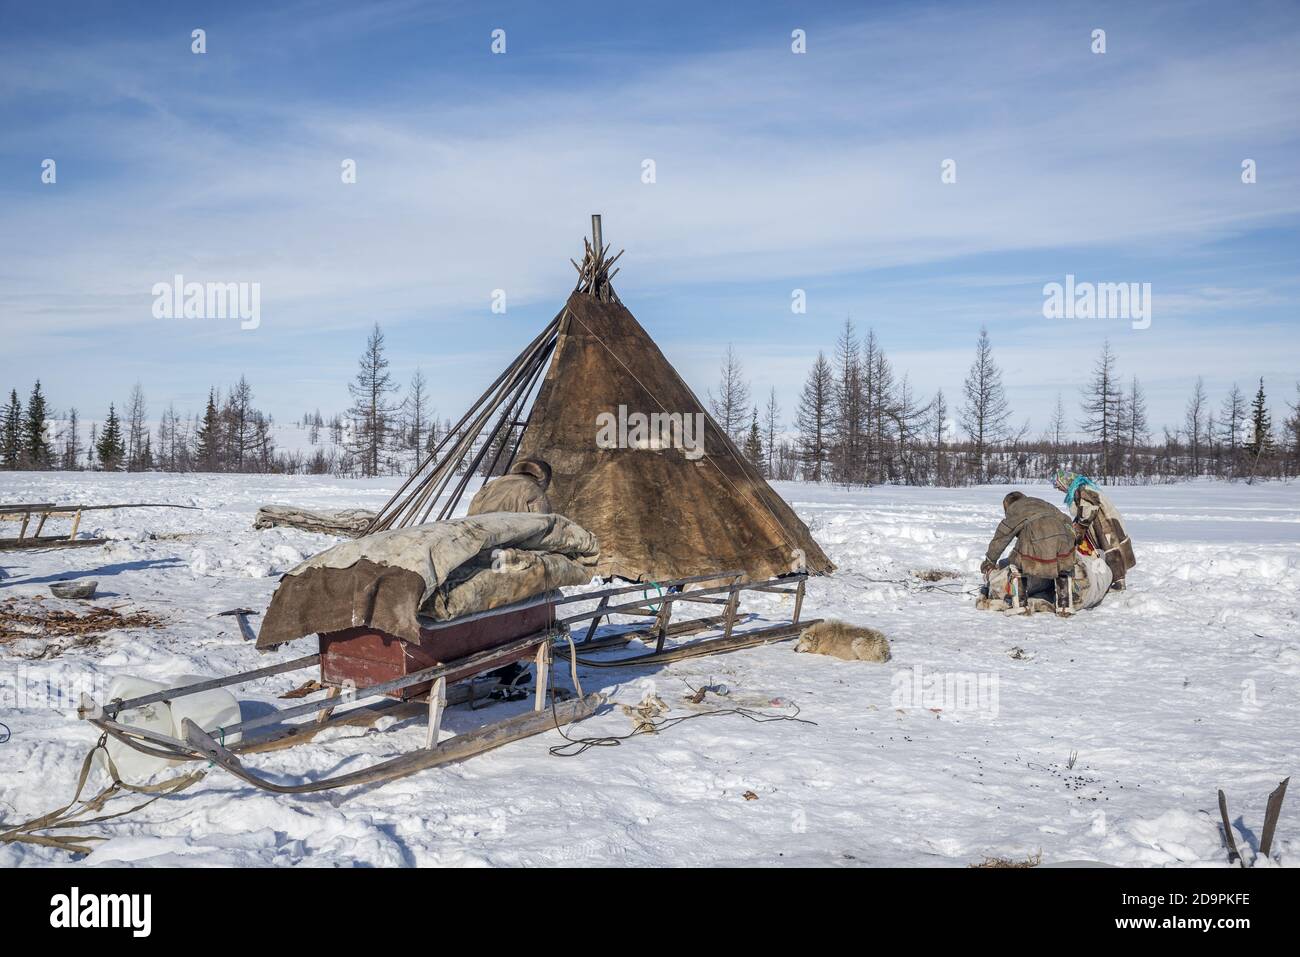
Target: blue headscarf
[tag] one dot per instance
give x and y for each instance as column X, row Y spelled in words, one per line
column 1077, row 483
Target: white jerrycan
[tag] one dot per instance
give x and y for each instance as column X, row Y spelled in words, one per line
column 211, row 710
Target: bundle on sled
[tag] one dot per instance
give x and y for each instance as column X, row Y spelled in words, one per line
column 391, row 604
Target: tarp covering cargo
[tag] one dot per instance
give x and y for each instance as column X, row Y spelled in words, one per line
column 440, row 570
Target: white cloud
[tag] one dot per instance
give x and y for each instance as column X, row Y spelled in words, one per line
column 770, row 167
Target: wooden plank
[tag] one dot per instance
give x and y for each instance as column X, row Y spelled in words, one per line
column 595, row 622
column 698, row 649
column 1227, row 831
column 437, row 702
column 623, row 609
column 49, row 541
column 543, row 675
column 660, row 630
column 54, row 509
column 323, row 714
column 20, row 509
column 295, row 734
column 362, row 716
column 1271, row 812
column 171, row 694
column 729, row 616
column 628, row 589
column 676, row 630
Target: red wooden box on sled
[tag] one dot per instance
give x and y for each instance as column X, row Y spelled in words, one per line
column 365, row 656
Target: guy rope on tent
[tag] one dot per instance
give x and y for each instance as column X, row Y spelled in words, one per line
column 679, row 526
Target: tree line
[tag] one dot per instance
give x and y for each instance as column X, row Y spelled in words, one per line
column 858, row 421
column 378, row 434
column 230, row 435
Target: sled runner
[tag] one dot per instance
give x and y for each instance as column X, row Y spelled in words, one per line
column 404, row 678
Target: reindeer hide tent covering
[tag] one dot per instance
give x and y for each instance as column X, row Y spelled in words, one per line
column 658, row 512
column 442, row 570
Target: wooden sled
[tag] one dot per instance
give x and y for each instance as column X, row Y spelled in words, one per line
column 404, row 679
column 43, row 511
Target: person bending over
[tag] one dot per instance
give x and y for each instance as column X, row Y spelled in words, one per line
column 522, row 489
column 1044, row 543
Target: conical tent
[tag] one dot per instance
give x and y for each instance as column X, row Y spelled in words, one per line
column 635, row 457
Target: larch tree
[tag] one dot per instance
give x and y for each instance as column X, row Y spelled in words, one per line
column 908, row 418
column 1292, row 426
column 730, row 405
column 1136, row 430
column 771, row 427
column 137, row 432
column 938, row 432
column 1194, row 419
column 881, row 408
column 372, row 408
column 849, row 407
column 70, row 456
column 754, row 443
column 415, row 414
column 1232, row 423
column 239, row 426
column 1056, row 430
column 1101, row 403
column 984, row 410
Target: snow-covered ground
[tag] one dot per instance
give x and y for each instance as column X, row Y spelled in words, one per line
column 1188, row 682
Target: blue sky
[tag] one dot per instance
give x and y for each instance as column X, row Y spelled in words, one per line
column 775, row 171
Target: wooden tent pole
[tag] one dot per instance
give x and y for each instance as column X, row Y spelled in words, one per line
column 524, row 387
column 427, row 497
column 481, row 412
column 507, row 421
column 436, row 480
column 386, row 516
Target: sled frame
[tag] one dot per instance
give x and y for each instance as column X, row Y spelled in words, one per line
column 43, row 511
column 322, row 712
